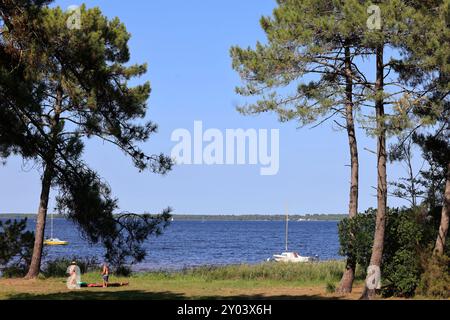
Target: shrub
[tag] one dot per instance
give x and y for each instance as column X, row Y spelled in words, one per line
column 409, row 232
column 435, row 281
column 58, row 267
column 14, row 271
column 330, row 288
column 404, row 243
column 124, row 271
column 356, row 237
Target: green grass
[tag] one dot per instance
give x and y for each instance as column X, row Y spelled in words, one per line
column 263, row 281
column 307, row 273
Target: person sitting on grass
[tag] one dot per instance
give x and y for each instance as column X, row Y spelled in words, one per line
column 74, row 279
column 105, row 275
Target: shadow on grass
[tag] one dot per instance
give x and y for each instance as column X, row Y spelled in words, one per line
column 146, row 295
column 262, row 297
column 103, row 295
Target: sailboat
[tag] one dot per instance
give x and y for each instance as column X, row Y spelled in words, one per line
column 289, row 256
column 54, row 241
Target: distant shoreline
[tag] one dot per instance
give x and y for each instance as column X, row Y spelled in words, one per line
column 248, row 217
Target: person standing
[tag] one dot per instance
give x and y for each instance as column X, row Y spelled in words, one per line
column 105, row 275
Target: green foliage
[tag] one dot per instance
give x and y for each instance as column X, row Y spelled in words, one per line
column 58, row 267
column 82, row 89
column 356, row 237
column 16, row 246
column 123, row 271
column 17, row 90
column 274, row 73
column 408, row 188
column 403, row 243
column 87, row 201
column 436, row 151
column 428, row 184
column 299, row 72
column 14, row 271
column 435, row 280
column 330, row 288
column 408, row 234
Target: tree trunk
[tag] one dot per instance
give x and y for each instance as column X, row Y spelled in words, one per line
column 443, row 228
column 35, row 265
column 47, row 178
column 380, row 224
column 346, row 283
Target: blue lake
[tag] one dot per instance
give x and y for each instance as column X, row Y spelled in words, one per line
column 194, row 243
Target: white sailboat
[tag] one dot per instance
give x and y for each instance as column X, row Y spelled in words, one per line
column 290, row 256
column 54, row 241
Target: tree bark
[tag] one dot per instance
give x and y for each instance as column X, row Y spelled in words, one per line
column 380, row 224
column 35, row 265
column 346, row 283
column 443, row 227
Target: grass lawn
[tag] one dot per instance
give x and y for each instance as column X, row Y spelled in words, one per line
column 264, row 281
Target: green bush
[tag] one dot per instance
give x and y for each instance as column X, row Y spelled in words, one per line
column 123, row 271
column 14, row 271
column 409, row 233
column 435, row 281
column 58, row 267
column 330, row 288
column 404, row 242
column 356, row 237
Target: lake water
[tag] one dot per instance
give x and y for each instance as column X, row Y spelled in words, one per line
column 194, row 243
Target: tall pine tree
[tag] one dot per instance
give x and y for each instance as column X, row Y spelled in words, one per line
column 83, row 76
column 308, row 72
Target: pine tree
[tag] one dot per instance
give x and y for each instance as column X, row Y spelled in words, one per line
column 403, row 84
column 83, row 77
column 320, row 41
column 314, row 38
column 426, row 66
column 16, row 88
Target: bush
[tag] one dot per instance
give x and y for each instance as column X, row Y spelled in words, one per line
column 123, row 271
column 330, row 288
column 404, row 242
column 435, row 281
column 58, row 267
column 14, row 271
column 409, row 233
column 356, row 237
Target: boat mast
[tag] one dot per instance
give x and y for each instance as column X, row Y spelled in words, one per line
column 51, row 226
column 287, row 221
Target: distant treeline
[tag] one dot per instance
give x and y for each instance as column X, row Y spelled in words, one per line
column 225, row 217
column 261, row 217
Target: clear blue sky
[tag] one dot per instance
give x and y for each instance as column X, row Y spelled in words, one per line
column 186, row 44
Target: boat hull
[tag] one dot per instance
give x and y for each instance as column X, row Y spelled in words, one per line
column 292, row 257
column 55, row 243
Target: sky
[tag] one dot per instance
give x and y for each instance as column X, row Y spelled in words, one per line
column 186, row 45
